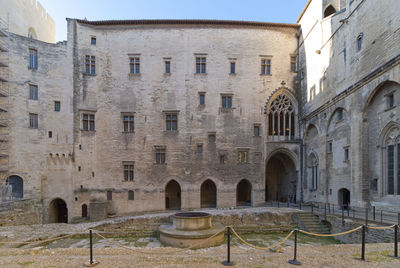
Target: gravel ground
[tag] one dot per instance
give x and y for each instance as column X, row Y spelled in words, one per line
column 311, row 256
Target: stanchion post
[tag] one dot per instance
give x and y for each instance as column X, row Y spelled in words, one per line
column 396, row 251
column 312, row 208
column 354, row 213
column 348, row 211
column 366, row 216
column 398, row 218
column 373, row 213
column 342, row 216
column 295, row 261
column 381, row 216
column 228, row 248
column 363, row 243
column 91, row 247
column 325, row 211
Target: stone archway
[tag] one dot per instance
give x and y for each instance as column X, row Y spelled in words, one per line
column 58, row 211
column 208, row 194
column 17, row 186
column 243, row 193
column 280, row 178
column 173, row 195
column 344, row 197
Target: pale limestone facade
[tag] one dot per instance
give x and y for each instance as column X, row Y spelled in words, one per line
column 285, row 135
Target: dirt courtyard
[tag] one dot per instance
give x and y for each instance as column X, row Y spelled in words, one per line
column 339, row 255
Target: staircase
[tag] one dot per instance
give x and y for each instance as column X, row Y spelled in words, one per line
column 311, row 223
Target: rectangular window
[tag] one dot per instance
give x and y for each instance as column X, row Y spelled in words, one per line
column 329, row 146
column 199, row 149
column 171, row 122
column 293, row 65
column 314, row 177
column 129, row 123
column 256, row 130
column 33, row 58
column 93, row 40
column 128, row 172
column 222, row 159
column 50, row 134
column 233, row 67
column 226, row 101
column 109, row 195
column 57, row 106
column 202, row 98
column 160, row 155
column 90, row 64
column 33, row 92
column 360, row 41
column 390, row 170
column 200, row 65
column 88, row 122
column 266, row 66
column 242, row 157
column 390, row 100
column 131, row 195
column 211, row 138
column 33, row 121
column 134, row 64
column 346, row 154
column 167, row 67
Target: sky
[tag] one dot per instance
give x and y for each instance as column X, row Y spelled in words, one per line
column 250, row 10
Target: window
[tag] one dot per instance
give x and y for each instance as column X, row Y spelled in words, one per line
column 329, row 11
column 256, row 130
column 33, row 92
column 242, row 157
column 171, row 121
column 57, row 106
column 199, row 149
column 50, row 134
column 90, row 64
column 360, row 38
column 233, row 67
column 167, row 67
column 160, row 155
column 33, row 58
column 346, row 154
column 128, row 171
column 134, row 64
column 330, row 147
column 222, row 159
column 226, row 101
column 109, row 195
column 265, row 66
column 293, row 63
column 313, row 171
column 129, row 123
column 340, row 115
column 88, row 122
column 390, row 100
column 200, row 65
column 281, row 117
column 93, row 40
column 211, row 138
column 131, row 195
column 33, row 121
column 202, row 98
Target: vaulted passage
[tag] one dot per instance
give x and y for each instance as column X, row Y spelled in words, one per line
column 58, row 211
column 173, row 195
column 17, row 186
column 208, row 194
column 243, row 193
column 280, row 179
column 344, row 197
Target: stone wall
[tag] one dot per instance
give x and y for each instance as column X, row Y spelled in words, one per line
column 21, row 212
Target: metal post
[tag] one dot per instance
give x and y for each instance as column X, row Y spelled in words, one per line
column 348, row 211
column 381, row 216
column 295, row 261
column 228, row 246
column 366, row 216
column 91, row 247
column 396, row 251
column 354, row 213
column 398, row 218
column 325, row 211
column 342, row 216
column 300, row 205
column 373, row 213
column 363, row 243
column 312, row 209
column 329, row 209
column 333, row 209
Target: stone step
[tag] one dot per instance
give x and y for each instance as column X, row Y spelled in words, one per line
column 311, row 223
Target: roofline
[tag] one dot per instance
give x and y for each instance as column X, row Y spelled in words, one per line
column 188, row 22
column 304, row 11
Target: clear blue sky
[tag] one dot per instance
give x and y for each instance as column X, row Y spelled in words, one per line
column 251, row 10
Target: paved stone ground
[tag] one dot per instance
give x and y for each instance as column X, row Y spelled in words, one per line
column 311, row 256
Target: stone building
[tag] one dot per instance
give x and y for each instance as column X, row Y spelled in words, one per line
column 140, row 115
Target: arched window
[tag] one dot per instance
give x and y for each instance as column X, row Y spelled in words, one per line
column 32, row 33
column 329, row 11
column 392, row 166
column 281, row 117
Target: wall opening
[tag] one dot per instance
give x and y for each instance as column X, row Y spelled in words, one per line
column 17, row 186
column 58, row 211
column 344, row 198
column 280, row 179
column 208, row 194
column 173, row 195
column 329, row 11
column 84, row 211
column 243, row 193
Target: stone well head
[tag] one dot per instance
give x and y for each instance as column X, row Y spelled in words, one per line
column 192, row 221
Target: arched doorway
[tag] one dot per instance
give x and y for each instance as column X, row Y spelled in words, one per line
column 344, row 198
column 17, row 186
column 58, row 211
column 208, row 194
column 84, row 211
column 243, row 193
column 173, row 195
column 280, row 179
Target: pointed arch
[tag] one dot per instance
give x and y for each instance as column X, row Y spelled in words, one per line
column 389, row 132
column 208, row 194
column 345, row 115
column 173, row 195
column 329, row 10
column 244, row 193
column 375, row 92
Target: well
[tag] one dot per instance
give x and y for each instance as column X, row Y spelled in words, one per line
column 190, row 229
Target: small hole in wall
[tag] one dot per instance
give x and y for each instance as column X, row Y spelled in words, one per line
column 79, row 168
column 76, row 198
column 92, row 174
column 80, row 146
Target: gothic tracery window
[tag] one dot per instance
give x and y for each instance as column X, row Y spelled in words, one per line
column 281, row 121
column 392, row 143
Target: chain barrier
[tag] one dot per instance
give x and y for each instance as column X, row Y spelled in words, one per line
column 261, row 248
